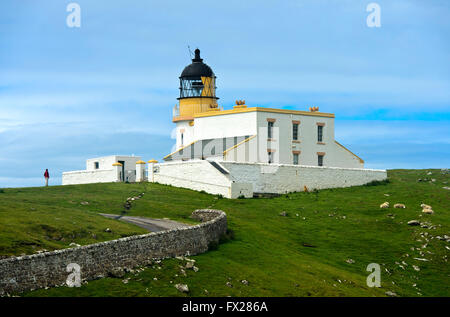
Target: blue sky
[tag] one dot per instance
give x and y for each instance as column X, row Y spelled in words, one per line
column 68, row 94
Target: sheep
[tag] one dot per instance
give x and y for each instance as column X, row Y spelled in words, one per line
column 384, row 205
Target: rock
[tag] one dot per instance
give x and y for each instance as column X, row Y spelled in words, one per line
column 117, row 272
column 350, row 261
column 182, row 288
column 399, row 206
column 413, row 223
column 229, row 284
column 416, row 268
column 84, row 203
column 245, row 282
column 387, row 195
column 284, row 214
column 189, row 265
column 429, row 173
column 125, row 281
column 195, row 268
column 392, row 294
column 73, row 244
column 107, row 230
column 446, row 187
column 384, row 205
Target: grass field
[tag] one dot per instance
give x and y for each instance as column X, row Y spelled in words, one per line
column 305, row 253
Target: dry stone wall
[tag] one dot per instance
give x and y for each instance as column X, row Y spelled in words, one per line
column 18, row 274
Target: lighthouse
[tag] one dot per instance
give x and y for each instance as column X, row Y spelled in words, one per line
column 240, row 150
column 197, row 95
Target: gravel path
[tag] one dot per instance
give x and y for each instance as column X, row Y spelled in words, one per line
column 150, row 224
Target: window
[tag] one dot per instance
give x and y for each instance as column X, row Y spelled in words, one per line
column 96, row 165
column 320, row 160
column 270, row 157
column 182, row 139
column 295, row 159
column 295, row 131
column 319, row 133
column 270, row 129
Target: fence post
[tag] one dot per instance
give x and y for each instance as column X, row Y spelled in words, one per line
column 118, row 170
column 151, row 170
column 140, row 170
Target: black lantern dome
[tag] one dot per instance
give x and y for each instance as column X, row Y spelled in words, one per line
column 197, row 80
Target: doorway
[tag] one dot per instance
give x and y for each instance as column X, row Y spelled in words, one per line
column 122, row 174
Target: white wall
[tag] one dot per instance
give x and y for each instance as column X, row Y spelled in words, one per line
column 245, row 152
column 283, row 142
column 195, row 174
column 256, row 122
column 105, row 173
column 88, row 177
column 277, row 178
column 343, row 158
column 246, row 178
column 223, row 126
column 188, row 134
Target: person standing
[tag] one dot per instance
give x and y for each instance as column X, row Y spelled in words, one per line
column 47, row 176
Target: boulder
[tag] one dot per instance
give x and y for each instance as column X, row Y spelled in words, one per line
column 189, row 265
column 117, row 272
column 182, row 288
column 399, row 206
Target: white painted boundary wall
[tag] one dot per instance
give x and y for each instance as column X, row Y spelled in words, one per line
column 87, row 177
column 194, row 174
column 283, row 178
column 247, row 178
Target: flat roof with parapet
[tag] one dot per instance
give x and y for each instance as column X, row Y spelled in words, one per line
column 273, row 110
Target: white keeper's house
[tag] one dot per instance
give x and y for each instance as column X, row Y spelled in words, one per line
column 243, row 151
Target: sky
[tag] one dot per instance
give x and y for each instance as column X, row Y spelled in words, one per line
column 109, row 86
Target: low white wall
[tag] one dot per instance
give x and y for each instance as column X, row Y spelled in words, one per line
column 87, row 177
column 280, row 178
column 197, row 175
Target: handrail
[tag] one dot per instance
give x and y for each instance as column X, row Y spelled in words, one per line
column 235, row 146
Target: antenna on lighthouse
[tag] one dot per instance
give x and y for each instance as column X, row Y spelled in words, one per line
column 190, row 52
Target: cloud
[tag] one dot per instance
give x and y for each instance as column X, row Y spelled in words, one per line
column 109, row 87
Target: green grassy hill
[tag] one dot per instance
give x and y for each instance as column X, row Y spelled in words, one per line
column 320, row 248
